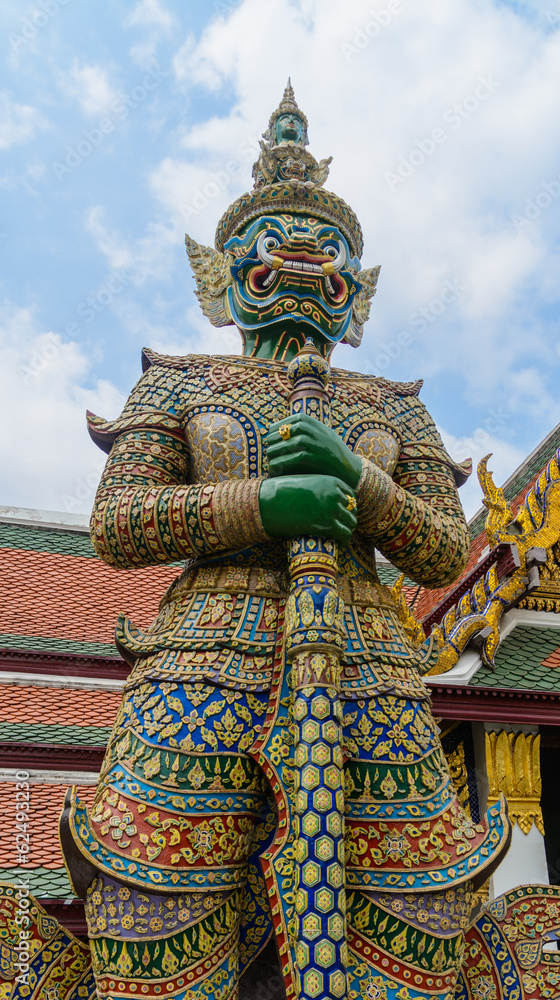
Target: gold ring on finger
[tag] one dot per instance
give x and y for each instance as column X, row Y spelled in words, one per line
column 284, row 431
column 352, row 502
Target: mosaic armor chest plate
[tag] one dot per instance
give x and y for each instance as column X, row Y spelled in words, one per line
column 218, row 622
column 225, row 434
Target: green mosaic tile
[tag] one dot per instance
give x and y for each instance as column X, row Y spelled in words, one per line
column 68, row 543
column 54, row 645
column 23, row 732
column 518, row 661
column 43, row 882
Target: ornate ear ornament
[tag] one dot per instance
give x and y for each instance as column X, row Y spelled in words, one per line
column 362, row 305
column 212, row 271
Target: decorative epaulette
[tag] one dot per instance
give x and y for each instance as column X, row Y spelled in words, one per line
column 416, row 451
column 150, row 358
column 104, row 432
column 186, row 361
column 384, row 384
column 402, row 388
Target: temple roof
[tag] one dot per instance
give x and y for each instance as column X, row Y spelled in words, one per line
column 45, row 870
column 528, row 659
column 515, row 490
column 60, row 674
column 58, row 596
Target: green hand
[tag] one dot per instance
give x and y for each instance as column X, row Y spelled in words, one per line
column 307, row 505
column 312, row 448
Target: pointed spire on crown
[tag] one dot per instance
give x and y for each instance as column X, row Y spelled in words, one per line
column 288, row 178
column 288, row 106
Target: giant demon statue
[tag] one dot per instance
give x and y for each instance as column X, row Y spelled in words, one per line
column 275, row 773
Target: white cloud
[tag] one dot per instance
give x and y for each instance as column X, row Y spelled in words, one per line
column 18, row 122
column 374, row 92
column 194, row 196
column 142, row 259
column 151, row 13
column 506, row 458
column 49, row 461
column 89, row 84
column 201, row 337
column 158, row 23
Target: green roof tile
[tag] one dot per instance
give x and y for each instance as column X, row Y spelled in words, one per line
column 55, row 645
column 24, row 732
column 68, row 543
column 43, row 882
column 518, row 661
column 387, row 574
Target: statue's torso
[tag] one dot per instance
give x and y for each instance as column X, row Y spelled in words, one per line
column 220, row 620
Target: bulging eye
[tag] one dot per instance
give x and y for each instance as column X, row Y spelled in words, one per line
column 331, row 252
column 271, row 242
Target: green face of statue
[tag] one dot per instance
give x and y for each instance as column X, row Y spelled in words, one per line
column 289, row 127
column 291, row 280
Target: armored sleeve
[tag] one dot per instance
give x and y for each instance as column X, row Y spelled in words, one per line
column 145, row 511
column 415, row 517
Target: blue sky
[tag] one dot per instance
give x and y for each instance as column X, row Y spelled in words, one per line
column 123, row 125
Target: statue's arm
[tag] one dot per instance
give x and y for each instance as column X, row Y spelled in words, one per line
column 144, row 511
column 415, row 519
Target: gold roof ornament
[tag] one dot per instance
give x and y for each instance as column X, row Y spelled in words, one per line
column 287, row 178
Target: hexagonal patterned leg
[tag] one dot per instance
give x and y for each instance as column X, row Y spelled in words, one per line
column 319, row 809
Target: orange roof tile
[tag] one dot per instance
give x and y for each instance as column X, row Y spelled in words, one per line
column 59, row 706
column 74, row 597
column 552, row 660
column 45, row 806
column 429, row 599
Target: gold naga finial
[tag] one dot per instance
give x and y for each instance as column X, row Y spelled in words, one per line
column 500, row 514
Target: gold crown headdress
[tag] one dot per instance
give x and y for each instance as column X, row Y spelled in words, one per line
column 289, row 179
column 288, row 106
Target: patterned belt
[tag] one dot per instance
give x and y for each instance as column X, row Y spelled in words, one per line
column 265, row 582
